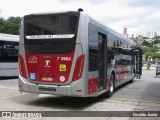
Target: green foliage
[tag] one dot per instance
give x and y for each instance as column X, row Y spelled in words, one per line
column 2, row 25
column 145, row 37
column 156, row 41
column 10, row 25
column 145, row 43
column 157, row 37
column 148, row 49
column 155, row 55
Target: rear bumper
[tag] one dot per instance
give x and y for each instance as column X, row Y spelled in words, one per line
column 72, row 89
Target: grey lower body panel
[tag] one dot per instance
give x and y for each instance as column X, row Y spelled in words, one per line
column 76, row 88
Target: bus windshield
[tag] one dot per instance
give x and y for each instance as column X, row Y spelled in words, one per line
column 50, row 33
column 50, row 26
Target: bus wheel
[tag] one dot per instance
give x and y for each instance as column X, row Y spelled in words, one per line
column 111, row 86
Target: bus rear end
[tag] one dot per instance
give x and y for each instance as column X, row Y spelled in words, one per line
column 50, row 60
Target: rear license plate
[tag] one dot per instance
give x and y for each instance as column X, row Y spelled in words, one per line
column 47, row 88
column 47, row 79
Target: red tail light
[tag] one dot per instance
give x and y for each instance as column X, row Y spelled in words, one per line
column 78, row 70
column 22, row 67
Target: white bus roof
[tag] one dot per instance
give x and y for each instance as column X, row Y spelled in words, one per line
column 9, row 37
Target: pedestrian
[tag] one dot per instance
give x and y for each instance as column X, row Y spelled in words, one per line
column 158, row 69
column 148, row 65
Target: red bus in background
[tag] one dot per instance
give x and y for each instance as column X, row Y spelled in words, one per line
column 71, row 54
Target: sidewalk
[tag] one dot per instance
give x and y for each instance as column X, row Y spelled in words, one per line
column 151, row 68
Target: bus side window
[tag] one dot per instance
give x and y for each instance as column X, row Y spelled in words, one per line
column 93, row 47
column 110, row 55
column 93, row 59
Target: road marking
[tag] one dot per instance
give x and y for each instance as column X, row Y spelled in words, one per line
column 135, row 100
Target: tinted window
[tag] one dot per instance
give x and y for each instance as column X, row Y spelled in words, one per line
column 126, row 59
column 93, row 48
column 51, row 34
column 51, row 25
column 9, row 51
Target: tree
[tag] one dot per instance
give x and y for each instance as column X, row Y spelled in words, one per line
column 148, row 49
column 145, row 43
column 157, row 37
column 155, row 55
column 156, row 41
column 2, row 25
column 10, row 25
column 145, row 37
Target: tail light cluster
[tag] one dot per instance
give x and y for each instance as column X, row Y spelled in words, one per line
column 22, row 67
column 78, row 70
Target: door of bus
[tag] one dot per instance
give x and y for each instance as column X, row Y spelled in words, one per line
column 137, row 62
column 102, row 61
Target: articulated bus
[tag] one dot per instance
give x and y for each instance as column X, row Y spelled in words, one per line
column 9, row 46
column 71, row 54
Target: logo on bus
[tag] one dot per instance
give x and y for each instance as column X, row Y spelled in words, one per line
column 62, row 78
column 47, row 63
column 32, row 76
column 62, row 67
column 32, row 59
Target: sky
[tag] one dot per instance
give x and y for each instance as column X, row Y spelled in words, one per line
column 138, row 16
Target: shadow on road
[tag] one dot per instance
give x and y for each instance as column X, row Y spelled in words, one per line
column 59, row 102
column 123, row 85
column 6, row 78
column 74, row 103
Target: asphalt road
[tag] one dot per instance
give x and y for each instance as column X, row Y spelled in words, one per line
column 146, row 88
column 141, row 95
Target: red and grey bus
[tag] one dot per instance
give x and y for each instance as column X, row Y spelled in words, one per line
column 71, row 54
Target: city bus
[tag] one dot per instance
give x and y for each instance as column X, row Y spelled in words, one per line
column 9, row 46
column 71, row 54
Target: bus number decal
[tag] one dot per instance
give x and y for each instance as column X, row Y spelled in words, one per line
column 64, row 58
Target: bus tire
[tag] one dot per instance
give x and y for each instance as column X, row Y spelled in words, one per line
column 111, row 86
